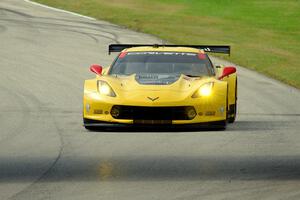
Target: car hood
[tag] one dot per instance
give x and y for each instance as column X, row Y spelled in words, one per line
column 139, row 89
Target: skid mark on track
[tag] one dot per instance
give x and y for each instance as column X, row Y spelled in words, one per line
column 25, row 115
column 40, row 106
column 16, row 12
column 98, row 31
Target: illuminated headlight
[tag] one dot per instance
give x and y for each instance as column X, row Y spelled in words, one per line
column 105, row 89
column 204, row 91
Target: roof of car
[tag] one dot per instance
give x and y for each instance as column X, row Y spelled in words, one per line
column 164, row 49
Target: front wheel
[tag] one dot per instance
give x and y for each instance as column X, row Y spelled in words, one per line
column 233, row 107
column 232, row 113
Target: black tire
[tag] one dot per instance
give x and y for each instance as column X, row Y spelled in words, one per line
column 232, row 113
column 233, row 108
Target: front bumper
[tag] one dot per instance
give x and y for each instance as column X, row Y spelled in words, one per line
column 210, row 109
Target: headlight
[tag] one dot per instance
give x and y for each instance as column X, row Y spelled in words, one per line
column 204, row 91
column 105, row 89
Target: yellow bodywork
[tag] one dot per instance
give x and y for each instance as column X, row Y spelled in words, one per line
column 129, row 92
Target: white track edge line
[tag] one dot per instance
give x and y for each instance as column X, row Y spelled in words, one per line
column 59, row 10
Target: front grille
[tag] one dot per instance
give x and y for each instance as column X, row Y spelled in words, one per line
column 151, row 113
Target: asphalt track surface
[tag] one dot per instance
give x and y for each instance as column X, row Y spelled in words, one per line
column 45, row 153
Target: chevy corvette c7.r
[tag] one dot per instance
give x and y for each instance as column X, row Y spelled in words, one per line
column 161, row 85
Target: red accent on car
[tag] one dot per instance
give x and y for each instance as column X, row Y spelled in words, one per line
column 201, row 56
column 122, row 55
column 227, row 71
column 97, row 69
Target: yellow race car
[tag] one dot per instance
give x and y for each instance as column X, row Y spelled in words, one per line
column 161, row 86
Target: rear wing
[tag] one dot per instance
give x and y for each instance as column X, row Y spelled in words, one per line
column 225, row 49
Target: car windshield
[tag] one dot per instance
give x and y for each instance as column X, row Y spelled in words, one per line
column 161, row 63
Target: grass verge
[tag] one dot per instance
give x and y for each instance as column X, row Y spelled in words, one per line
column 264, row 34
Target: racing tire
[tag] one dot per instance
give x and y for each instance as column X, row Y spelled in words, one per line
column 232, row 113
column 233, row 107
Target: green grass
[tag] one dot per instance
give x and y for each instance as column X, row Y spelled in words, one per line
column 264, row 34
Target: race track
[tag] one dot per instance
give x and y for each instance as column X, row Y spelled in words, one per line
column 45, row 153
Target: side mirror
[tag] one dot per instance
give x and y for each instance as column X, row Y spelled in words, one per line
column 227, row 71
column 97, row 69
